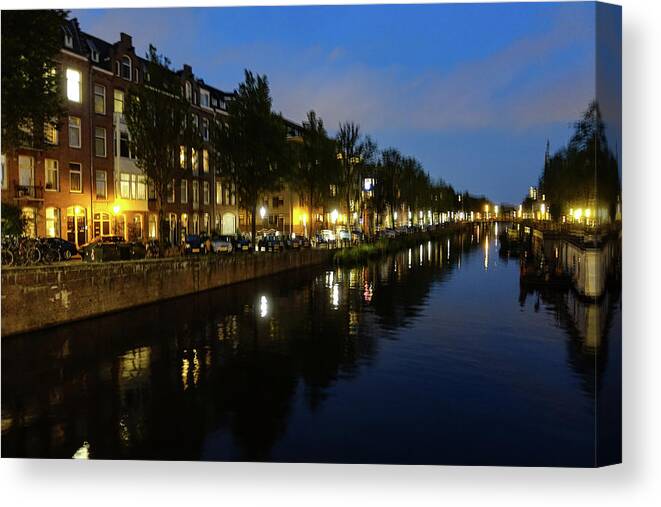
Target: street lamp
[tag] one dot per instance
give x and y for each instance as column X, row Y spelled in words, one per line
column 334, row 215
column 262, row 212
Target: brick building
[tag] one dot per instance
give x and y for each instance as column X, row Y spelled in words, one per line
column 86, row 183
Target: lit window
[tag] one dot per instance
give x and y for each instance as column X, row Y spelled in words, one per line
column 52, row 222
column 184, row 191
column 119, row 101
column 73, row 85
column 182, row 157
column 50, row 134
column 99, row 99
column 205, row 192
column 194, row 161
column 101, row 185
column 52, row 175
column 205, row 160
column 100, row 141
column 74, row 132
column 125, row 185
column 219, row 192
column 75, row 177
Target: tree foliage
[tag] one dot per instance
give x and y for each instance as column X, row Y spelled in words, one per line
column 158, row 117
column 316, row 167
column 585, row 172
column 31, row 87
column 251, row 144
column 13, row 221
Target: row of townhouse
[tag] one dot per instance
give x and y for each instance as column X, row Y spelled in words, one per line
column 86, row 183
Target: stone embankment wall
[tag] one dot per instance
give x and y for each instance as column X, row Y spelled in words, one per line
column 38, row 297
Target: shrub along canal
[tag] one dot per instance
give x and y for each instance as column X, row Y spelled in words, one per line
column 434, row 354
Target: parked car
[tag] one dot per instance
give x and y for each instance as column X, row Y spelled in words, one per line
column 194, row 244
column 103, row 248
column 241, row 243
column 328, row 235
column 357, row 236
column 319, row 241
column 270, row 243
column 221, row 244
column 65, row 248
column 305, row 242
column 387, row 233
column 292, row 241
column 343, row 234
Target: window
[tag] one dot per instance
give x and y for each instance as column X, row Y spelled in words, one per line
column 182, row 157
column 119, row 101
column 195, row 161
column 206, row 225
column 53, row 222
column 204, row 98
column 50, row 134
column 68, row 38
column 153, row 226
column 4, row 171
column 125, row 185
column 75, row 177
column 52, row 175
column 205, row 192
column 30, row 217
column 101, row 185
column 196, row 224
column 233, row 194
column 184, row 191
column 196, row 122
column 132, row 186
column 124, row 145
column 74, row 85
column 139, row 187
column 170, row 191
column 100, row 141
column 74, row 132
column 189, row 91
column 125, row 68
column 99, row 99
column 205, row 160
column 101, row 224
column 205, row 129
column 137, row 78
column 196, row 192
column 219, row 192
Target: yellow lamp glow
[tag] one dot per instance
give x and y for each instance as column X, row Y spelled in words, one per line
column 116, row 209
column 578, row 213
column 334, row 215
column 588, row 212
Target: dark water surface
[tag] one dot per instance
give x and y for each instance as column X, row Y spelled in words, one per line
column 432, row 356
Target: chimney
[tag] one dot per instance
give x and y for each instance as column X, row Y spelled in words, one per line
column 126, row 38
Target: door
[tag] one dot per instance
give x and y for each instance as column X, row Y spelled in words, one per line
column 228, row 224
column 76, row 226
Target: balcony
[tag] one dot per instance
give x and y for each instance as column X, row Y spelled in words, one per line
column 28, row 192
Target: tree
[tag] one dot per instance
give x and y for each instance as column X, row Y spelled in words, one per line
column 355, row 152
column 389, row 181
column 585, row 173
column 251, row 144
column 158, row 117
column 13, row 221
column 316, row 167
column 31, row 88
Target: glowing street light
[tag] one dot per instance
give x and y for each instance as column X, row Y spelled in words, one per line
column 334, row 215
column 262, row 212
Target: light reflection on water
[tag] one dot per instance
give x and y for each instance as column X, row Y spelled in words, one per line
column 394, row 362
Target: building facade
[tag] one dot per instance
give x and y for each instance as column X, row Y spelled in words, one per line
column 87, row 183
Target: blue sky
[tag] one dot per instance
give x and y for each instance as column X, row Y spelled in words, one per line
column 472, row 90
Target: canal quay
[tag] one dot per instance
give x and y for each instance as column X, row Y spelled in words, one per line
column 444, row 352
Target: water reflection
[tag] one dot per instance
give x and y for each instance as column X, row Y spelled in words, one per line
column 405, row 360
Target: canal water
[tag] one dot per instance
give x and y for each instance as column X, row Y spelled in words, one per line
column 435, row 355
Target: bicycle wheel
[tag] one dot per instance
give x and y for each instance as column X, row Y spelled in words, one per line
column 51, row 255
column 7, row 257
column 33, row 255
